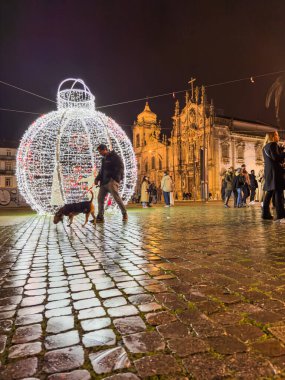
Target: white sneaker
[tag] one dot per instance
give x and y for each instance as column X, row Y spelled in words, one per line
column 282, row 221
column 166, row 206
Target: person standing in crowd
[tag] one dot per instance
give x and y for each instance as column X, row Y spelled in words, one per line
column 253, row 186
column 260, row 180
column 229, row 178
column 238, row 184
column 223, row 187
column 109, row 178
column 159, row 194
column 172, row 193
column 274, row 181
column 246, row 185
column 144, row 192
column 167, row 187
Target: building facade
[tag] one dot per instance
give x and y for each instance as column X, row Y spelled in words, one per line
column 201, row 146
column 9, row 194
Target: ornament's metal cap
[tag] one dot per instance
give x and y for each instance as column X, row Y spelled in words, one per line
column 77, row 95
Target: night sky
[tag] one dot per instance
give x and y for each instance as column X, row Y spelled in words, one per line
column 128, row 49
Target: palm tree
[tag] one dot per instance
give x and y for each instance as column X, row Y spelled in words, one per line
column 276, row 90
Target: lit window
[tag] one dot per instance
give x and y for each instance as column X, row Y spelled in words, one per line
column 160, row 165
column 137, row 141
column 8, row 165
column 7, row 182
column 153, row 162
column 9, row 153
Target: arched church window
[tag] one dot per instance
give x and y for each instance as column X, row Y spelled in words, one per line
column 146, row 166
column 240, row 152
column 160, row 165
column 225, row 151
column 153, row 162
column 258, row 153
column 138, row 140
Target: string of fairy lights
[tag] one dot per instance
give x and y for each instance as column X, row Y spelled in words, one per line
column 57, row 159
column 251, row 79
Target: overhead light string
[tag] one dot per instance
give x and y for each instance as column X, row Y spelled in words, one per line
column 172, row 93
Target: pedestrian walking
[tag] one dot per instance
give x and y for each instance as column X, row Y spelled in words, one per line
column 109, row 178
column 144, row 192
column 238, row 184
column 246, row 185
column 253, row 185
column 167, row 187
column 274, row 181
column 229, row 178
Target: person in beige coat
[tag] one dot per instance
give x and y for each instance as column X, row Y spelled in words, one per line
column 167, row 187
column 144, row 192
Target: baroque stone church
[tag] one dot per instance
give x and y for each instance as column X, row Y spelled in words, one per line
column 202, row 145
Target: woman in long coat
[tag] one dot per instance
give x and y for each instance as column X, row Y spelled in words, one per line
column 144, row 192
column 274, row 181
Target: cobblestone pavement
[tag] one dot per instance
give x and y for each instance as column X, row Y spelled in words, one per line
column 181, row 293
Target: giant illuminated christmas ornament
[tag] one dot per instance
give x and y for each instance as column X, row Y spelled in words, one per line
column 57, row 158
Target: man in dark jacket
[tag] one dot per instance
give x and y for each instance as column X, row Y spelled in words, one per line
column 253, row 185
column 109, row 177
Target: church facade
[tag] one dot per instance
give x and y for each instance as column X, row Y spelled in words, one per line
column 202, row 145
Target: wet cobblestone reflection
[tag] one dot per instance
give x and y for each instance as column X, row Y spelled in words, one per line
column 191, row 292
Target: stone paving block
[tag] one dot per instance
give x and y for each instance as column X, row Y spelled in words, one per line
column 91, row 313
column 129, row 325
column 226, row 345
column 141, row 298
column 95, row 324
column 160, row 318
column 123, row 376
column 5, row 326
column 79, row 374
column 245, row 333
column 26, row 349
column 173, row 330
column 58, row 296
column 109, row 360
column 246, row 366
column 83, row 295
column 187, row 346
column 115, row 302
column 86, row 303
column 65, row 339
column 80, row 287
column 144, row 342
column 58, row 312
column 57, row 304
column 104, row 337
column 3, row 340
column 13, row 300
column 110, row 293
column 19, row 369
column 27, row 334
column 36, row 292
column 29, row 319
column 64, row 359
column 57, row 325
column 205, row 367
column 270, row 347
column 31, row 301
column 157, row 365
column 7, row 314
column 122, row 311
column 151, row 306
column 30, row 310
column 62, row 289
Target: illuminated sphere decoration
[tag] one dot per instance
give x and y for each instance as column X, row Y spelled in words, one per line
column 57, row 159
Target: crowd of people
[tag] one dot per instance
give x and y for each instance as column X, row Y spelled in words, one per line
column 151, row 194
column 270, row 182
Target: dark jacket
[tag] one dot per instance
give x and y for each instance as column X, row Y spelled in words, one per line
column 112, row 167
column 253, row 181
column 273, row 171
column 229, row 178
column 238, row 182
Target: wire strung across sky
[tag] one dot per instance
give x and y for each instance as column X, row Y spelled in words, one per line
column 172, row 93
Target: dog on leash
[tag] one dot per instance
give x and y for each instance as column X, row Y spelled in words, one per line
column 73, row 209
